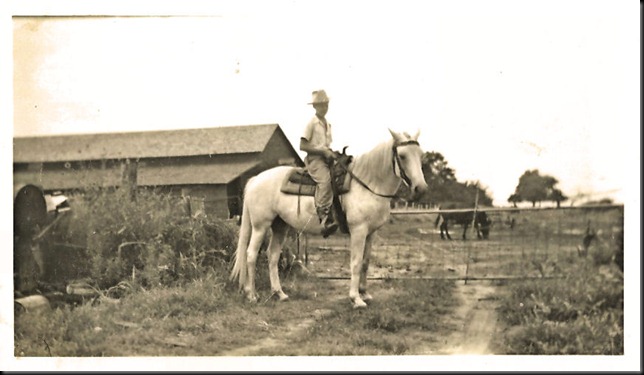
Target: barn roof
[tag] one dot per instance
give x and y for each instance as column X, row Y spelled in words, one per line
column 151, row 144
column 216, row 172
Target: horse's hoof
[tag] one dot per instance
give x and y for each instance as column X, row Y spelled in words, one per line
column 252, row 298
column 366, row 297
column 282, row 297
column 358, row 303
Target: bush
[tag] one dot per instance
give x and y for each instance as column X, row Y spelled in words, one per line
column 148, row 239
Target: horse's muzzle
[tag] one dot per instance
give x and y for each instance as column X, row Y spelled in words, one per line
column 418, row 191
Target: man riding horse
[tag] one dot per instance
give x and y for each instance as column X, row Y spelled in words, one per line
column 316, row 141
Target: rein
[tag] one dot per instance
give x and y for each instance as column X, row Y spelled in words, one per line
column 395, row 157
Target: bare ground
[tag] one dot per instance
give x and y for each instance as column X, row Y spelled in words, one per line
column 476, row 321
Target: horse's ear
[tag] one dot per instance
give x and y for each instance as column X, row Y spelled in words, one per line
column 397, row 137
column 415, row 137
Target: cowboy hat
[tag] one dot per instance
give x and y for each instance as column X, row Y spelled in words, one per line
column 319, row 96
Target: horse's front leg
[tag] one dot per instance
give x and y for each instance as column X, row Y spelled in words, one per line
column 365, row 268
column 358, row 240
column 478, row 231
column 446, row 233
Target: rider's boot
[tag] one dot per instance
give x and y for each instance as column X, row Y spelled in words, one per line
column 327, row 219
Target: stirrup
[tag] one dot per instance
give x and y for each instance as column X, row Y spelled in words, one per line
column 329, row 225
column 329, row 230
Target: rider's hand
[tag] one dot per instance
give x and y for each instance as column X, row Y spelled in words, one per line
column 329, row 154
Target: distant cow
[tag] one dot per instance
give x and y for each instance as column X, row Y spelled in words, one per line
column 481, row 223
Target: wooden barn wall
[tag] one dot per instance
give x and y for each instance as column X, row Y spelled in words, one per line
column 279, row 151
column 216, row 169
column 211, row 199
column 70, row 175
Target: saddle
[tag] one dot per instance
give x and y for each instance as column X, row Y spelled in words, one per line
column 299, row 182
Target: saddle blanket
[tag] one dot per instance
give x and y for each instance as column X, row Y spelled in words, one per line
column 299, row 182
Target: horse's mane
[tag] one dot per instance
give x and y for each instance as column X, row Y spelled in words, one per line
column 374, row 167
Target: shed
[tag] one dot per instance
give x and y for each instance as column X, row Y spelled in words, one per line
column 209, row 165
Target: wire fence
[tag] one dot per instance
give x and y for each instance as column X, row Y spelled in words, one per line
column 523, row 243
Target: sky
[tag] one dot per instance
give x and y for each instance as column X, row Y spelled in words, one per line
column 497, row 87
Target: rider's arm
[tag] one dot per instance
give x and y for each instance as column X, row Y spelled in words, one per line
column 307, row 147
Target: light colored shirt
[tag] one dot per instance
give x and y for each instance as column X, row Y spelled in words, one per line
column 317, row 133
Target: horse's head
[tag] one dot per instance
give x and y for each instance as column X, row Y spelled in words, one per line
column 407, row 162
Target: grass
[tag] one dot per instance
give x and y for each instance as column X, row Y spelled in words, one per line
column 207, row 318
column 581, row 313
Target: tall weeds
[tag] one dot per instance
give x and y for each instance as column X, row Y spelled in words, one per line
column 148, row 240
column 581, row 313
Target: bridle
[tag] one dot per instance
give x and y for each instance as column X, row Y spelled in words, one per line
column 395, row 159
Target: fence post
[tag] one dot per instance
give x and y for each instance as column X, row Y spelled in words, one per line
column 476, row 206
column 469, row 248
column 306, row 249
column 129, row 176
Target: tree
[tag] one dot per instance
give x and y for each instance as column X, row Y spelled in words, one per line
column 534, row 187
column 514, row 199
column 466, row 193
column 557, row 196
column 443, row 186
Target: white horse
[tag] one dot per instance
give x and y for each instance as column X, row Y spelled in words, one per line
column 375, row 178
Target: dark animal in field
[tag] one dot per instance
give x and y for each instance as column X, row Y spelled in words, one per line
column 482, row 223
column 590, row 236
column 510, row 222
column 619, row 250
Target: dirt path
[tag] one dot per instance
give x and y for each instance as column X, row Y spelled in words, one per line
column 475, row 319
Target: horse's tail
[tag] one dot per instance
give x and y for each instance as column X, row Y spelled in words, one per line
column 438, row 219
column 239, row 268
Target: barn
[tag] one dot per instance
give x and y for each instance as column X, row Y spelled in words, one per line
column 210, row 166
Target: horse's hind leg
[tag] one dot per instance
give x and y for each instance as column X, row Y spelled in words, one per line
column 256, row 239
column 274, row 251
column 365, row 267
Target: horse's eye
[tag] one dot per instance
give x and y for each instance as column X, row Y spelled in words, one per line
column 403, row 157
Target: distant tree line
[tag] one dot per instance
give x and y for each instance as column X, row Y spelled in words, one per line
column 445, row 188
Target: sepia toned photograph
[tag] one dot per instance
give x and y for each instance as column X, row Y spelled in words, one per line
column 298, row 186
